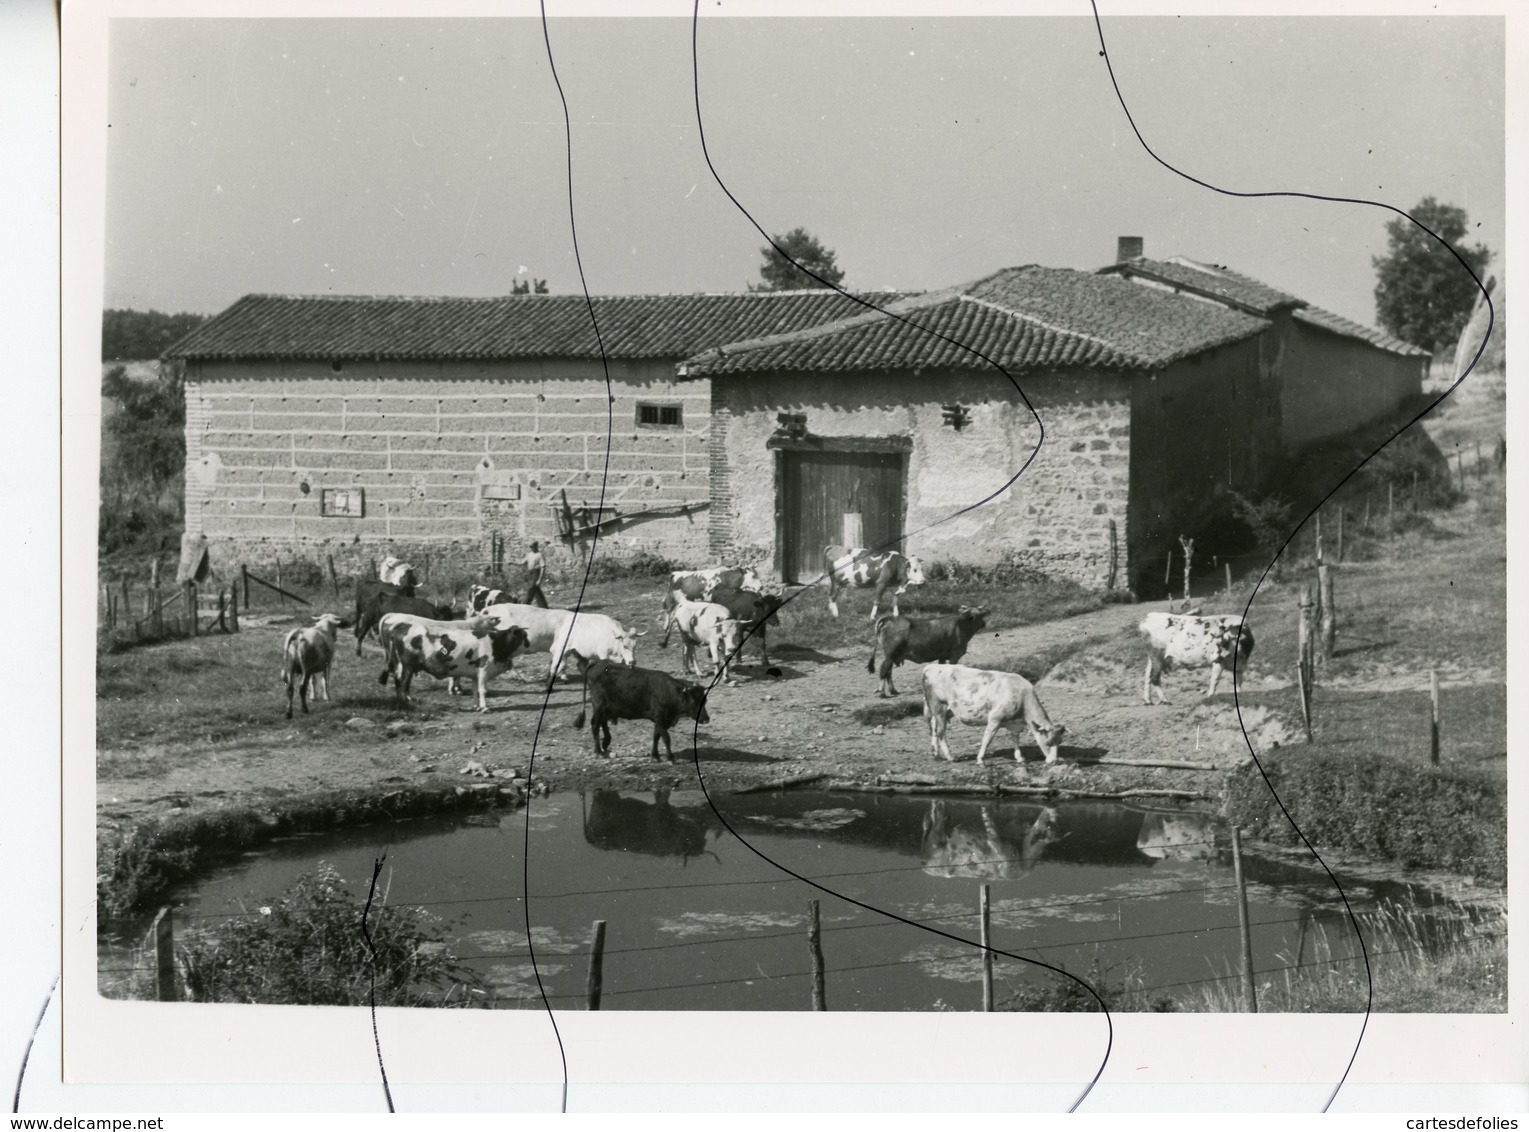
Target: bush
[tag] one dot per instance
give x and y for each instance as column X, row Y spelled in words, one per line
column 1267, row 517
column 643, row 564
column 312, row 947
column 1418, row 816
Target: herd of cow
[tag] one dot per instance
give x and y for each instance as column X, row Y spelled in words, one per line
column 717, row 610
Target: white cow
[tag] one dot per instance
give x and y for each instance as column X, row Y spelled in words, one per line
column 997, row 699
column 396, row 572
column 307, row 655
column 558, row 632
column 706, row 623
column 1193, row 641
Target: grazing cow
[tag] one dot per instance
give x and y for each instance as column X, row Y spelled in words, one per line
column 936, row 639
column 480, row 598
column 988, row 848
column 977, row 695
column 1178, row 638
column 614, row 692
column 397, row 573
column 856, row 566
column 559, row 634
column 654, row 829
column 709, row 624
column 308, row 654
column 446, row 649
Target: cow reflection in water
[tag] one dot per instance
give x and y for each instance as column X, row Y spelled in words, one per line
column 654, row 828
column 1178, row 837
column 956, row 845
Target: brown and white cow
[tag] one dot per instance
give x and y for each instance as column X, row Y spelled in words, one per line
column 708, row 624
column 1180, row 638
column 883, row 571
column 980, row 696
column 700, row 585
column 445, row 650
column 306, row 657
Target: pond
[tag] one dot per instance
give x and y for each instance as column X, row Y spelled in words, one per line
column 699, row 920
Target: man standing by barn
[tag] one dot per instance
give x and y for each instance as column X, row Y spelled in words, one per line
column 536, row 567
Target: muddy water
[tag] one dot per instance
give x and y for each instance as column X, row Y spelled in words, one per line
column 698, row 918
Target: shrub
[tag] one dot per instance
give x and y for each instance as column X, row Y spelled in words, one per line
column 312, row 947
column 1267, row 517
column 1416, row 815
column 643, row 564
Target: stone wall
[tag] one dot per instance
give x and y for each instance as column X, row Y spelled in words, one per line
column 1055, row 517
column 447, row 454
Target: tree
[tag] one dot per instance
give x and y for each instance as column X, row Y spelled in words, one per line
column 523, row 287
column 1421, row 294
column 779, row 274
column 131, row 336
column 142, row 468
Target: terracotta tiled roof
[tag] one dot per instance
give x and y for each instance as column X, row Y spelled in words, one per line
column 1248, row 294
column 654, row 327
column 1316, row 316
column 1023, row 318
column 1210, row 280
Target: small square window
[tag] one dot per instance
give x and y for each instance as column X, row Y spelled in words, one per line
column 343, row 503
column 654, row 415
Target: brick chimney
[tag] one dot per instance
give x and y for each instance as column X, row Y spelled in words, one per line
column 1128, row 247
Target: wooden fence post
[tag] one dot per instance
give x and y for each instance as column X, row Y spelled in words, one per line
column 1340, row 534
column 279, row 595
column 154, row 574
column 158, row 615
column 127, row 602
column 222, row 610
column 164, row 956
column 592, row 985
column 191, row 604
column 1318, row 540
column 1228, row 566
column 987, row 949
column 233, row 609
column 1189, row 553
column 1305, row 663
column 244, row 573
column 1168, row 574
column 1328, row 627
column 815, row 946
column 1366, row 512
column 1433, row 721
column 1250, row 990
column 1114, row 556
column 334, row 579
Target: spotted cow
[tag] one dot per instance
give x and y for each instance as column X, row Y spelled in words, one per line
column 980, row 696
column 446, row 649
column 1193, row 641
column 856, row 566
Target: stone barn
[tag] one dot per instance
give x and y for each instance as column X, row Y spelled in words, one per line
column 448, row 427
column 1154, row 402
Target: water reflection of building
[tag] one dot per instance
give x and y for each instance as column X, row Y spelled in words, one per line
column 1072, row 833
column 655, row 829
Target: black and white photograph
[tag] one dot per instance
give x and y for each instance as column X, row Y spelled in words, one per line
column 698, row 514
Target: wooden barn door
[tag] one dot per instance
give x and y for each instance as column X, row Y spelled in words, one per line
column 819, row 488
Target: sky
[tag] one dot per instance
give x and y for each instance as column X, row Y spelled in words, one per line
column 425, row 156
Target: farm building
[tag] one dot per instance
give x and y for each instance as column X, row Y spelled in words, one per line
column 449, row 426
column 1157, row 398
column 761, row 427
